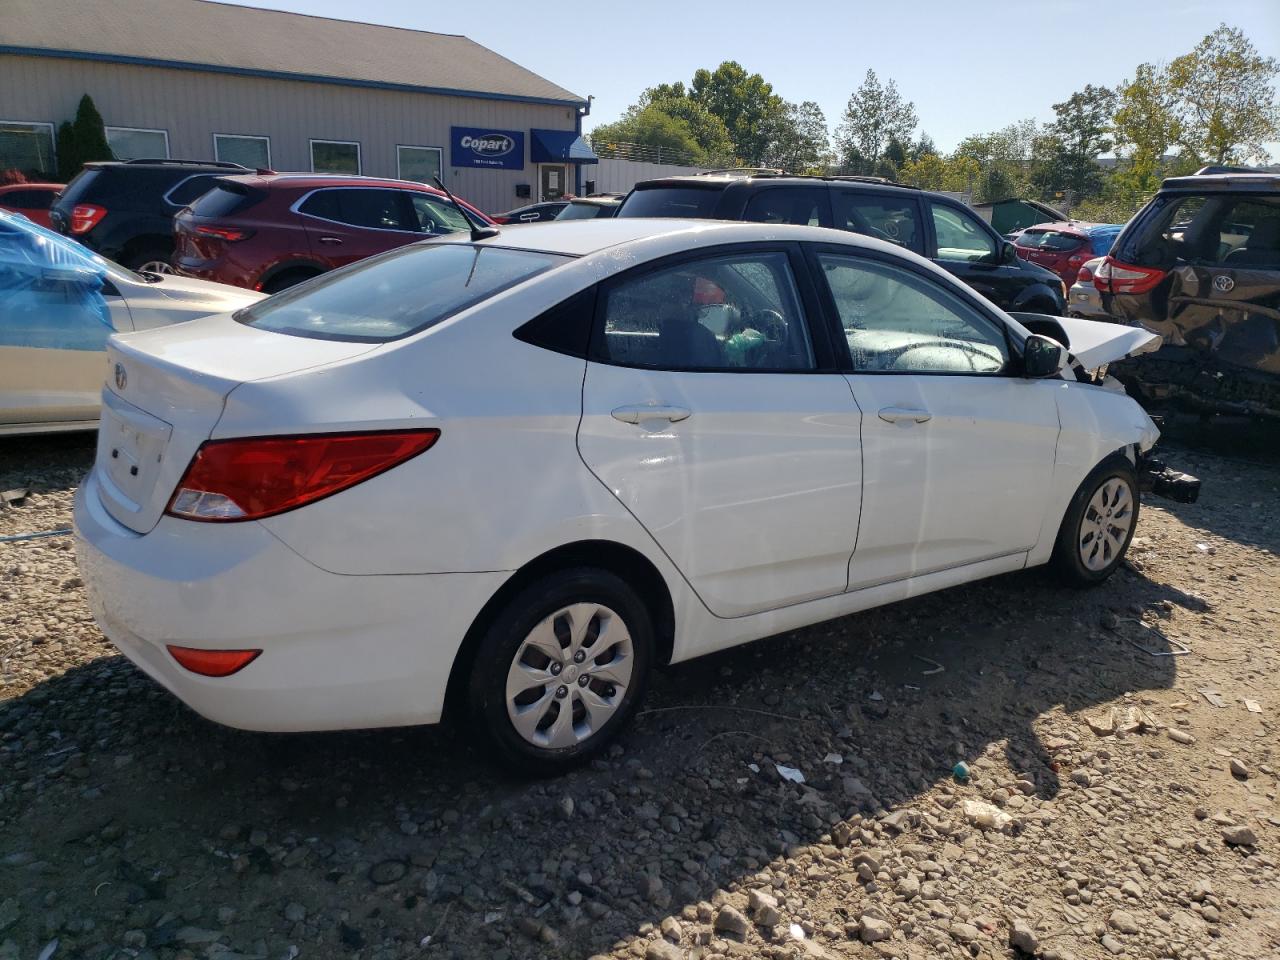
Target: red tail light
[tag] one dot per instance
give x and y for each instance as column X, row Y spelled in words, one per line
column 230, row 234
column 1084, row 276
column 85, row 216
column 212, row 663
column 1112, row 276
column 255, row 477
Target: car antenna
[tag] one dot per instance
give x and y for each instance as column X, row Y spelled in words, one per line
column 477, row 232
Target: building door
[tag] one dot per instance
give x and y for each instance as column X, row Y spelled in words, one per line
column 554, row 181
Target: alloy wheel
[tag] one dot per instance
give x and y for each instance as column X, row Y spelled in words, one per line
column 569, row 676
column 156, row 266
column 1105, row 525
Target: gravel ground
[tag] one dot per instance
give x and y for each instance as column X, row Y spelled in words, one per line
column 1109, row 808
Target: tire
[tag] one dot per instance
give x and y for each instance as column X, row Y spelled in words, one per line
column 152, row 260
column 531, row 732
column 290, row 278
column 1084, row 555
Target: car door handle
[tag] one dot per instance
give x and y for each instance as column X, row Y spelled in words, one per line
column 331, row 240
column 640, row 412
column 894, row 414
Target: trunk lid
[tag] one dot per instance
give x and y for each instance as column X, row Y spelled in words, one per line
column 164, row 393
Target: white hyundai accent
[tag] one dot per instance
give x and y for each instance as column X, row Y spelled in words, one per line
column 508, row 476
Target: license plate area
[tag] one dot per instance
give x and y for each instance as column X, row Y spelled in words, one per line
column 131, row 445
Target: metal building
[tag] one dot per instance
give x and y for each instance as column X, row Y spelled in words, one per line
column 203, row 80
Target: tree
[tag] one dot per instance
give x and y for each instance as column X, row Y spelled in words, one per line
column 932, row 172
column 1066, row 156
column 653, row 127
column 1002, row 159
column 875, row 115
column 82, row 141
column 744, row 102
column 714, row 143
column 799, row 141
column 1145, row 125
column 1225, row 102
column 923, row 147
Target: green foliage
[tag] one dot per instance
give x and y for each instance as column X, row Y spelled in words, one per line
column 1003, row 158
column 798, row 139
column 82, row 141
column 653, row 127
column 744, row 102
column 875, row 114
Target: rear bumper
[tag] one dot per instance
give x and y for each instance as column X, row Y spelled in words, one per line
column 339, row 652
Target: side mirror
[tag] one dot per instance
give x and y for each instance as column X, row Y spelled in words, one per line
column 1008, row 253
column 1042, row 357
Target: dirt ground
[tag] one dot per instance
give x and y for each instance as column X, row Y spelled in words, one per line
column 1110, row 808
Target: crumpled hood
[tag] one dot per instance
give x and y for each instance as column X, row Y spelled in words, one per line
column 1095, row 343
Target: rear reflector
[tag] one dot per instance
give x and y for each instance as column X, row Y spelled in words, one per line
column 1112, row 276
column 254, row 477
column 212, row 663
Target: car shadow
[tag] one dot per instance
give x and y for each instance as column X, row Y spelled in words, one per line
column 141, row 811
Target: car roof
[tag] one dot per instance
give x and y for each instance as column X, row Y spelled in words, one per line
column 9, row 187
column 305, row 180
column 718, row 179
column 1224, row 181
column 597, row 201
column 583, row 237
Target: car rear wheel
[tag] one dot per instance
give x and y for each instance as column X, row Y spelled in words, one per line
column 290, row 278
column 560, row 670
column 1099, row 523
column 151, row 260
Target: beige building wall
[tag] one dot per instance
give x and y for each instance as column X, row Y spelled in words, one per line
column 193, row 105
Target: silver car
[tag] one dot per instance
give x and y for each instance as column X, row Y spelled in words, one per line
column 59, row 302
column 1083, row 299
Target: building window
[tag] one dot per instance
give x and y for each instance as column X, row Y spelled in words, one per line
column 131, row 143
column 27, row 148
column 252, row 152
column 335, row 156
column 418, row 163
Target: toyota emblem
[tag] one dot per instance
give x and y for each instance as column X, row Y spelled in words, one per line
column 122, row 378
column 1223, row 284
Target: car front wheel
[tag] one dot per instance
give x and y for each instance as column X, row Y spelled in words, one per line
column 561, row 669
column 1099, row 523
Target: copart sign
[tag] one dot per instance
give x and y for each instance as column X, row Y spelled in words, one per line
column 483, row 147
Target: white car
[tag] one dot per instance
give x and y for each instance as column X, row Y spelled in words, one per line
column 59, row 302
column 1083, row 300
column 509, row 476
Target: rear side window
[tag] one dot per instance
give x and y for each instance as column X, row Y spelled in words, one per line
column 805, row 206
column 694, row 202
column 378, row 209
column 189, row 189
column 397, row 293
column 225, row 200
column 893, row 220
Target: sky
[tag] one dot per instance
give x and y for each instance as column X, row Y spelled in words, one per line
column 969, row 67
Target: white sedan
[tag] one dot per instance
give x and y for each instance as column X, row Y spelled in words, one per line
column 59, row 302
column 509, row 476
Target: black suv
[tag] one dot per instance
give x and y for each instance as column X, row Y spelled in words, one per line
column 124, row 209
column 1200, row 265
column 930, row 224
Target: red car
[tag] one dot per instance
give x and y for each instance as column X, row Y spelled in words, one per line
column 1066, row 246
column 32, row 200
column 271, row 231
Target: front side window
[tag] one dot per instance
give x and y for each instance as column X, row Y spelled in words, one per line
column 27, row 148
column 960, row 236
column 335, row 156
column 418, row 163
column 805, row 206
column 251, row 152
column 437, row 216
column 398, row 293
column 129, row 143
column 737, row 312
column 896, row 321
column 895, row 221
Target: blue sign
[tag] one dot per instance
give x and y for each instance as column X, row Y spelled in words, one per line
column 484, row 147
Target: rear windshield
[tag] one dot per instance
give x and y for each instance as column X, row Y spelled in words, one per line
column 397, row 293
column 224, row 200
column 1049, row 240
column 79, row 185
column 695, row 202
column 1241, row 230
column 584, row 211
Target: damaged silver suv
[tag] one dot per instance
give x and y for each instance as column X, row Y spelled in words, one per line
column 1200, row 265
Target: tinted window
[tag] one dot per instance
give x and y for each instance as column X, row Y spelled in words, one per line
column 224, row 200
column 396, row 293
column 584, row 211
column 380, row 209
column 804, row 206
column 436, row 216
column 189, row 190
column 738, row 312
column 960, row 236
column 80, row 185
column 893, row 220
column 899, row 322
column 1050, row 240
column 694, row 202
column 27, row 199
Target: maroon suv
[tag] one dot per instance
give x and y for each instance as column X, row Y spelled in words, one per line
column 268, row 232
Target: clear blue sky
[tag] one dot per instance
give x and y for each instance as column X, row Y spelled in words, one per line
column 969, row 67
